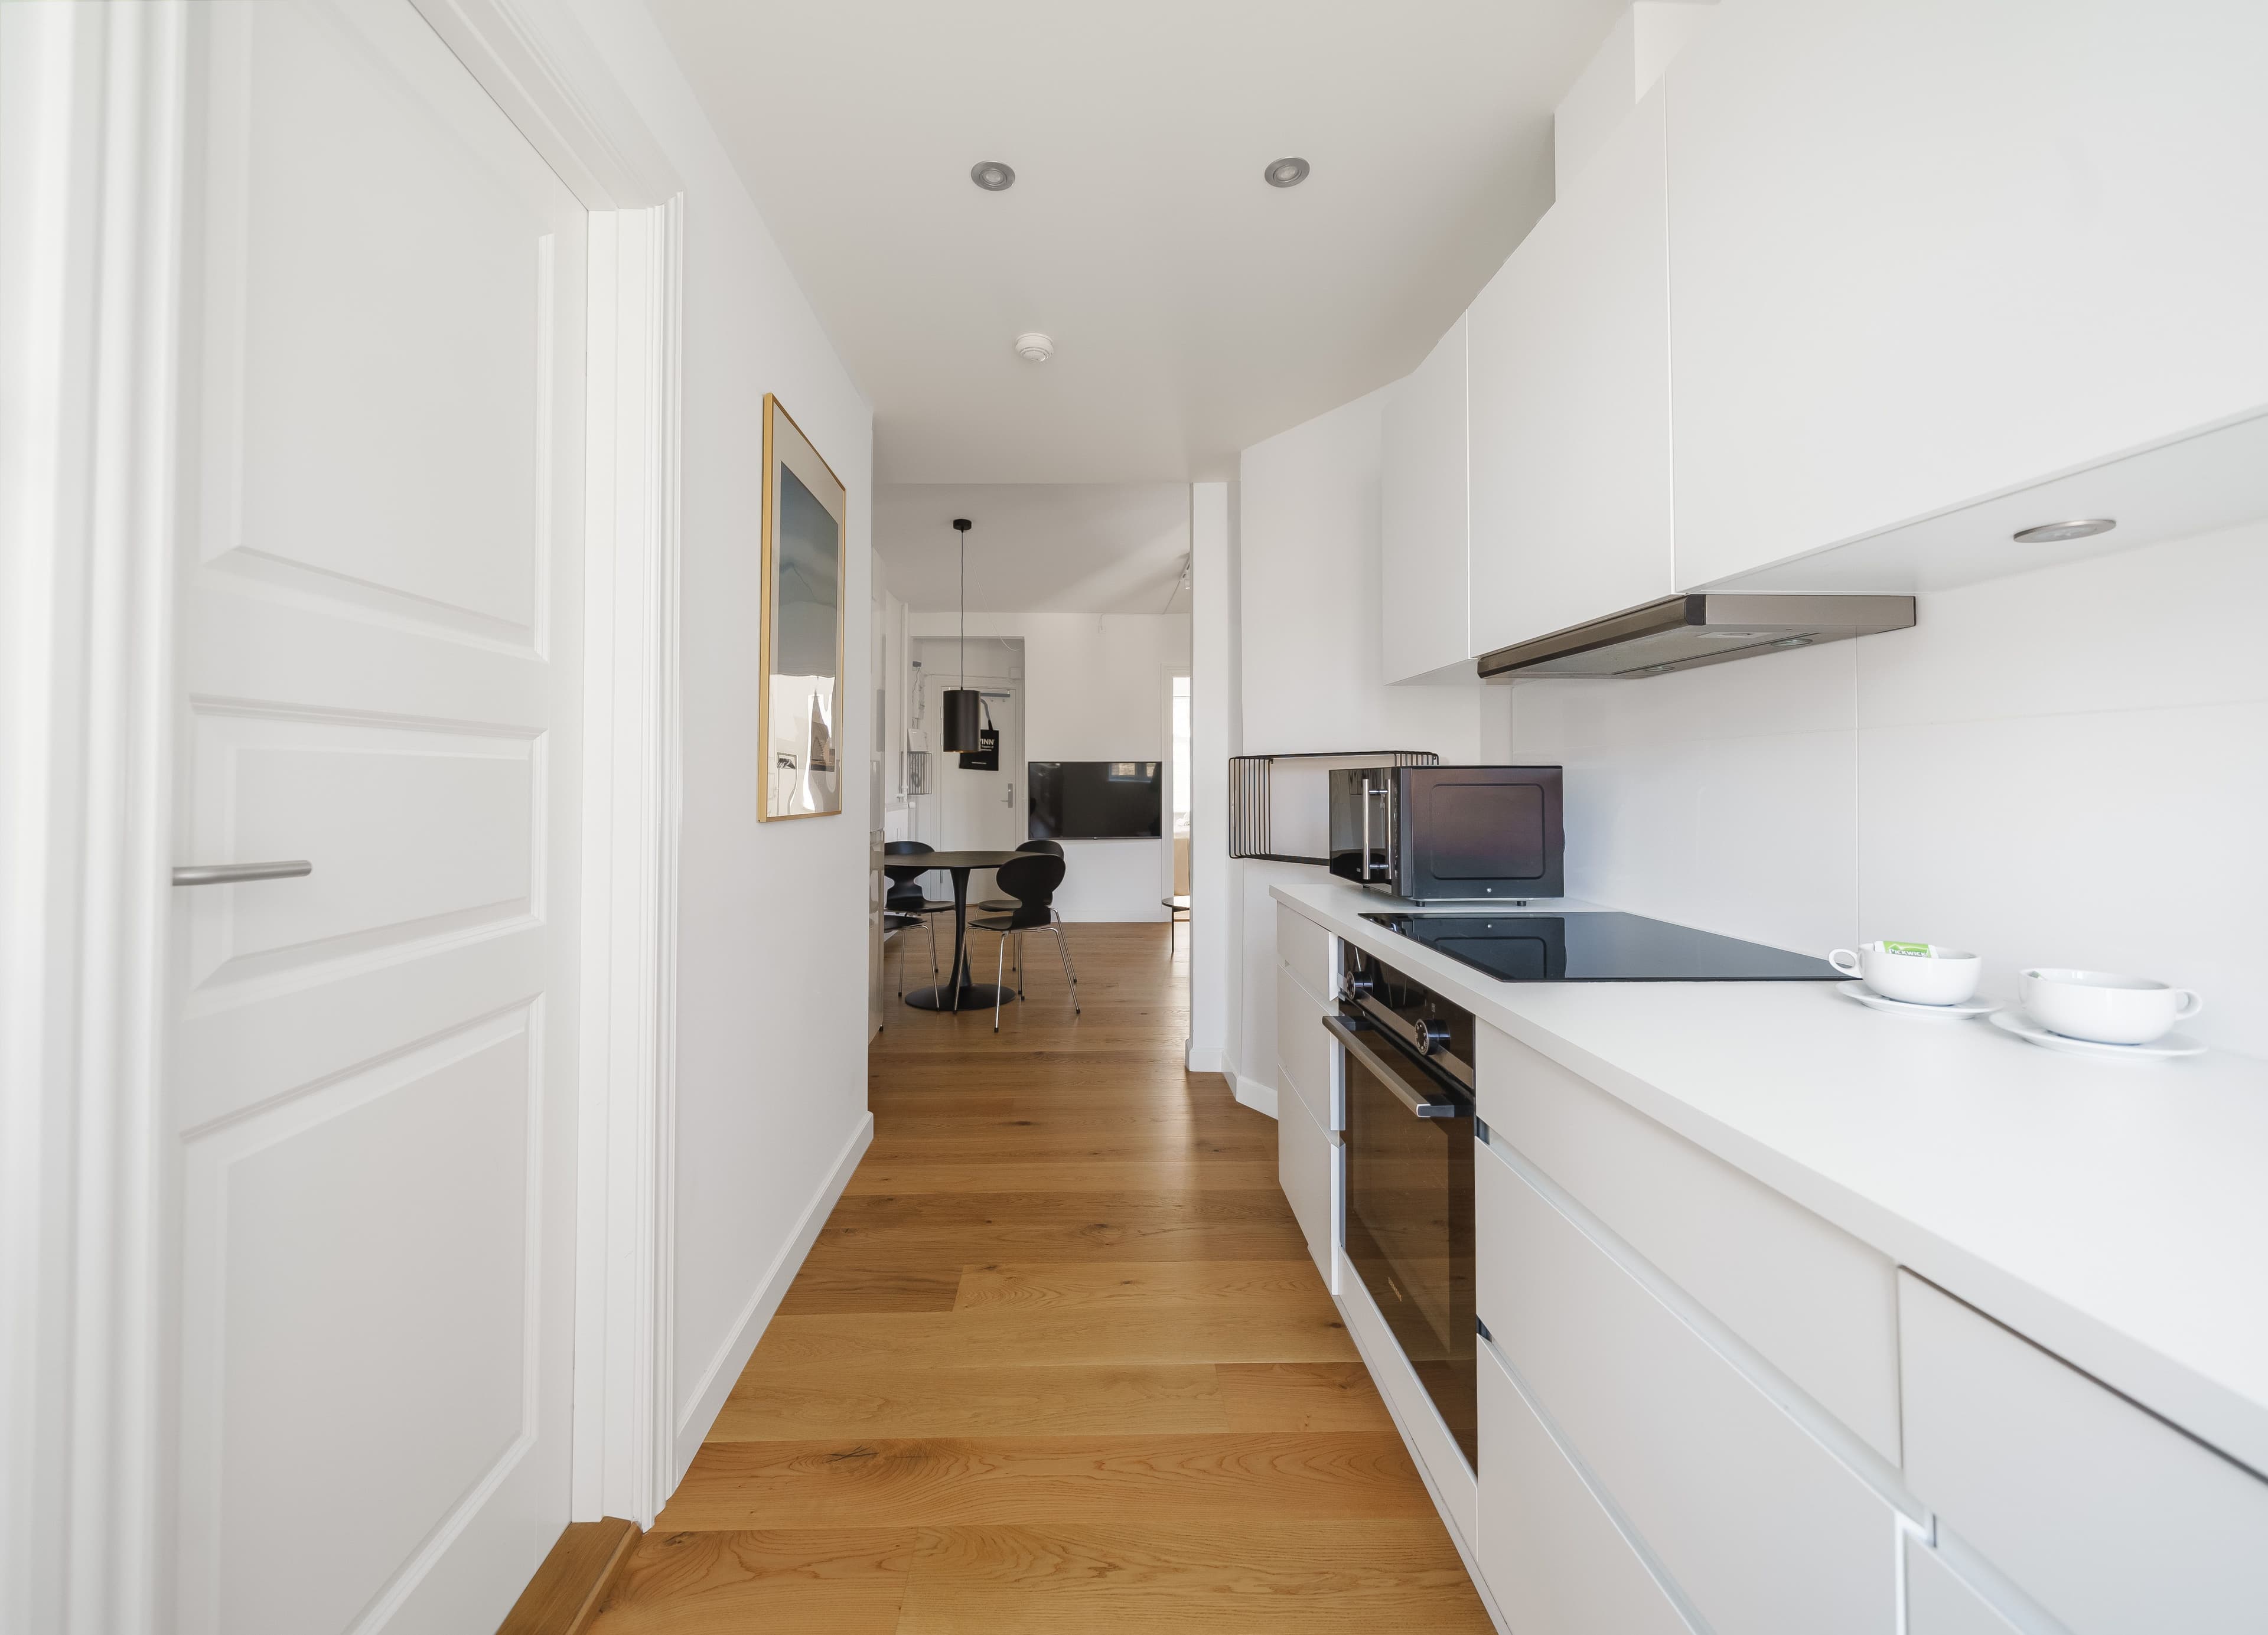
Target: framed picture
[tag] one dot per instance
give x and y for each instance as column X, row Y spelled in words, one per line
column 799, row 712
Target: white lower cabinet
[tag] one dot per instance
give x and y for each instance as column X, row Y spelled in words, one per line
column 1303, row 1050
column 1763, row 1529
column 1941, row 1601
column 1306, row 1165
column 1554, row 1558
column 2112, row 1520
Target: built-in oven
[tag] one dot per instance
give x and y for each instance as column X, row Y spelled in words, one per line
column 1408, row 1223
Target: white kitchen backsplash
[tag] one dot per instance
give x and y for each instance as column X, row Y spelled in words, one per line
column 2064, row 767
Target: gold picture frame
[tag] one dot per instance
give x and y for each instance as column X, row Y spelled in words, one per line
column 799, row 702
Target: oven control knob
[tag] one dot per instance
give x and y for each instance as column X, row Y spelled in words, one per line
column 1358, row 984
column 1433, row 1034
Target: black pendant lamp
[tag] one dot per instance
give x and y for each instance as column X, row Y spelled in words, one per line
column 961, row 703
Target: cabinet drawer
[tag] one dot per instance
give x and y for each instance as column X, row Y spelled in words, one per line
column 1303, row 1050
column 1303, row 1165
column 2109, row 1518
column 1553, row 1557
column 1763, row 1528
column 1939, row 1601
column 1817, row 1304
column 1305, row 948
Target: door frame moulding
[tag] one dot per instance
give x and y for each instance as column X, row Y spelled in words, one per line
column 626, row 1193
column 90, row 137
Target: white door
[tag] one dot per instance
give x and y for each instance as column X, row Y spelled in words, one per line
column 984, row 810
column 369, row 1078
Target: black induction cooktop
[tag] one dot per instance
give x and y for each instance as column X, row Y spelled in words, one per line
column 1601, row 946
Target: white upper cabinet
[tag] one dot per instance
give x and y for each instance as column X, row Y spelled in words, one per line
column 1924, row 251
column 1571, row 405
column 1422, row 594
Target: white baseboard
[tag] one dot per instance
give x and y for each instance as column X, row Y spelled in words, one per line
column 1206, row 1057
column 1254, row 1094
column 725, row 1368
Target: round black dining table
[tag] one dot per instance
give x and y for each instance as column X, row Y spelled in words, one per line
column 966, row 995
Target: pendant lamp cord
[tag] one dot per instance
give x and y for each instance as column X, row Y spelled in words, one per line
column 964, row 608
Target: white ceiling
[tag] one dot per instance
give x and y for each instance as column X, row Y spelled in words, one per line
column 1071, row 547
column 1195, row 309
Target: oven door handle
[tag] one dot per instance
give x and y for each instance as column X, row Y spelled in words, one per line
column 1383, row 1071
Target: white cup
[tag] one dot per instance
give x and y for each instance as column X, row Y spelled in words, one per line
column 1921, row 973
column 2105, row 1007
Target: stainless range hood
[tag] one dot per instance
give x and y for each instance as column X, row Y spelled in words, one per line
column 1687, row 632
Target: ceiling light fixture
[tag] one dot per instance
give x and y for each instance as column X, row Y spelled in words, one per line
column 1285, row 173
column 2047, row 533
column 992, row 176
column 962, row 704
column 1035, row 348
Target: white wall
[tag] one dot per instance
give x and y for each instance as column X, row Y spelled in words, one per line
column 772, row 917
column 1215, row 719
column 1311, row 671
column 1097, row 686
column 2064, row 767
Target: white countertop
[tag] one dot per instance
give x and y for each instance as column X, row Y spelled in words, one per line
column 2116, row 1212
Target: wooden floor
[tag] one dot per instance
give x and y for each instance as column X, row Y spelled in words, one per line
column 1058, row 1362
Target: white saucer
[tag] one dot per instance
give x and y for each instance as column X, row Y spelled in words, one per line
column 1962, row 1012
column 2164, row 1048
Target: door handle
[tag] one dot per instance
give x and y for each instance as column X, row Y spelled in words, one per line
column 1009, row 799
column 1383, row 1071
column 233, row 874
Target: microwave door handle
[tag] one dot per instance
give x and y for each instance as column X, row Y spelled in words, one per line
column 1383, row 1071
column 1366, row 831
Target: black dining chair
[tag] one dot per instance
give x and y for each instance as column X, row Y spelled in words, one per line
column 905, row 897
column 894, row 927
column 1007, row 904
column 1031, row 881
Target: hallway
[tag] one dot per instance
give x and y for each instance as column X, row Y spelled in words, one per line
column 1059, row 1360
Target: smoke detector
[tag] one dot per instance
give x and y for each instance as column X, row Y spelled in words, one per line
column 1035, row 348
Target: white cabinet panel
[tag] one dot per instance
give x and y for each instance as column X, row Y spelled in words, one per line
column 1922, row 250
column 1305, row 948
column 1303, row 1051
column 1569, row 347
column 1422, row 592
column 1820, row 1305
column 1551, row 1555
column 1304, row 1167
column 2112, row 1518
column 1763, row 1530
column 1939, row 1601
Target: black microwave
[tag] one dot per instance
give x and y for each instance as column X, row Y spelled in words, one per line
column 1450, row 833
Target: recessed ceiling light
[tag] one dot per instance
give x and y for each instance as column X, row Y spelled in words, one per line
column 1285, row 173
column 2047, row 533
column 1792, row 641
column 1035, row 348
column 992, row 176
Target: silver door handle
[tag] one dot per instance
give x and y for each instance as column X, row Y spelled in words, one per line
column 1383, row 1071
column 231, row 874
column 1009, row 799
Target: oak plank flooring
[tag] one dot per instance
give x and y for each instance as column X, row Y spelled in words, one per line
column 1058, row 1361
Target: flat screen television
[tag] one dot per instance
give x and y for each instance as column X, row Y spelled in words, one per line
column 1096, row 799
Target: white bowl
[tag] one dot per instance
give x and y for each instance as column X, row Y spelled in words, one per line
column 2104, row 1006
column 1935, row 976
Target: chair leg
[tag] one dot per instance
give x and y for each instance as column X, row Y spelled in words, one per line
column 935, row 975
column 998, row 970
column 1063, row 947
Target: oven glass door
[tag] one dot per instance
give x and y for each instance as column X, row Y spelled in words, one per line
column 1408, row 1230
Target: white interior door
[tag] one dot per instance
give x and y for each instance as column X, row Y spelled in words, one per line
column 369, row 1078
column 984, row 810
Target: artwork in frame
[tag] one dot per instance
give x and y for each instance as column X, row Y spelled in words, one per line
column 799, row 710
